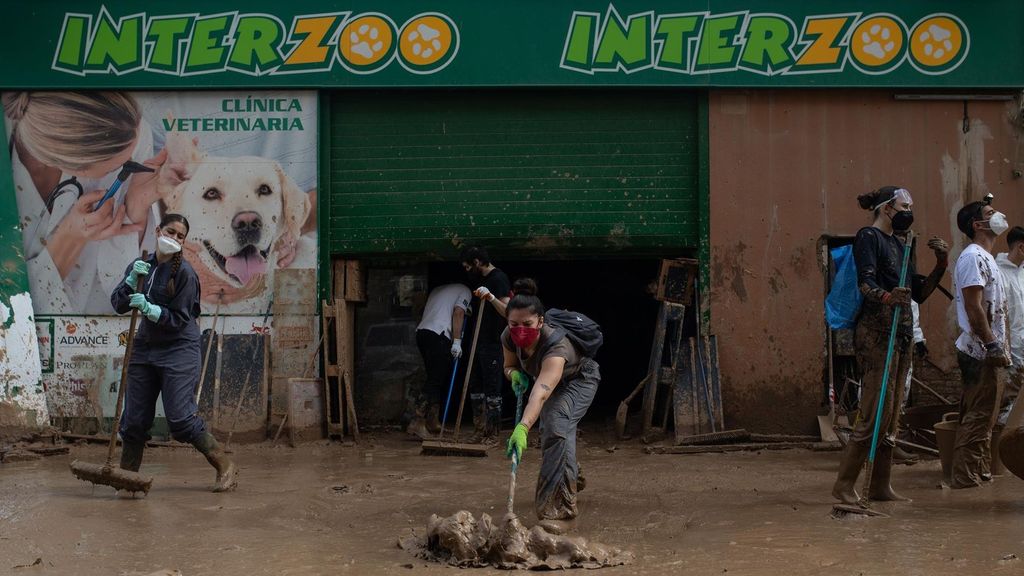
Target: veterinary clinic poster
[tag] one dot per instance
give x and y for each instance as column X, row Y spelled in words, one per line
column 240, row 166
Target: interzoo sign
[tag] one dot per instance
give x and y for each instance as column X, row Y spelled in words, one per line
column 752, row 43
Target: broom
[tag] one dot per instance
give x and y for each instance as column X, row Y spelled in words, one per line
column 108, row 474
column 442, row 447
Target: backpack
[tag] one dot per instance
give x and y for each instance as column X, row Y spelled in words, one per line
column 584, row 333
column 844, row 298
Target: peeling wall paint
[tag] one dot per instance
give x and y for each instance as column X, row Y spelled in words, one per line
column 786, row 168
column 22, row 399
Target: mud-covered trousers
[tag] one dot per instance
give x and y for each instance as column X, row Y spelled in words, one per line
column 173, row 370
column 872, row 346
column 559, row 470
column 982, row 389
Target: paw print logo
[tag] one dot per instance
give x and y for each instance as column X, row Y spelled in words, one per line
column 428, row 43
column 938, row 44
column 367, row 43
column 878, row 44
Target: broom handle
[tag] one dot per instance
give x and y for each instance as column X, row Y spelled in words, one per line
column 118, row 409
column 885, row 373
column 515, row 457
column 451, row 384
column 209, row 348
column 469, row 368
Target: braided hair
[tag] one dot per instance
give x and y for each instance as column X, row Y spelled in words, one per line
column 176, row 259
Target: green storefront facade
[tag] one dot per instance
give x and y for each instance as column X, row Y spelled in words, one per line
column 548, row 131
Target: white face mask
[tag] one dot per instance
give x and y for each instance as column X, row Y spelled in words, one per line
column 167, row 246
column 998, row 224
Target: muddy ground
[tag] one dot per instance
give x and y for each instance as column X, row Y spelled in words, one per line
column 331, row 509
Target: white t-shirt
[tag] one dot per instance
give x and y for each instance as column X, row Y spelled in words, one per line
column 1013, row 287
column 976, row 267
column 437, row 315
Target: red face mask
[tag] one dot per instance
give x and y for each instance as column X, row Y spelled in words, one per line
column 524, row 336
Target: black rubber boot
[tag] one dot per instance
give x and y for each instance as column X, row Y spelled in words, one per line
column 881, row 489
column 844, row 489
column 227, row 472
column 131, row 455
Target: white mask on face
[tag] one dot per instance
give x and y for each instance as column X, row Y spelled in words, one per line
column 998, row 224
column 167, row 246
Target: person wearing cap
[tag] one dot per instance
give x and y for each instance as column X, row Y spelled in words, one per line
column 878, row 253
column 982, row 347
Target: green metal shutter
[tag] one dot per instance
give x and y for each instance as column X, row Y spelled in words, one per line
column 539, row 172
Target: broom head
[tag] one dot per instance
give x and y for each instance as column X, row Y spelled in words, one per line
column 110, row 476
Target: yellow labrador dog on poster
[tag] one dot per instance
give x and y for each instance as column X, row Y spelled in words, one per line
column 242, row 210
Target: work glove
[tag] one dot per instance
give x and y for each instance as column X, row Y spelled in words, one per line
column 483, row 294
column 147, row 308
column 996, row 356
column 921, row 350
column 520, row 382
column 139, row 268
column 517, row 442
column 898, row 297
column 457, row 348
column 941, row 249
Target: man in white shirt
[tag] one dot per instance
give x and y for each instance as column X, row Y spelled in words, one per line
column 982, row 345
column 439, row 338
column 1013, row 285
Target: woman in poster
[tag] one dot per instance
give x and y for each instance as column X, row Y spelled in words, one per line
column 66, row 149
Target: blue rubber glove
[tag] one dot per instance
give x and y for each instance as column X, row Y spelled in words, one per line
column 148, row 309
column 140, row 268
column 520, row 382
column 517, row 442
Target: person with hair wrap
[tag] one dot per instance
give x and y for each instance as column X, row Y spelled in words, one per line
column 565, row 382
column 165, row 355
column 878, row 253
column 983, row 344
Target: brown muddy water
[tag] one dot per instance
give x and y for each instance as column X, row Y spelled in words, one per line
column 329, row 509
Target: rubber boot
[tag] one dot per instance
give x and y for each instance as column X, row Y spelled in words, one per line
column 433, row 420
column 227, row 472
column 131, row 455
column 581, row 480
column 479, row 421
column 557, row 527
column 418, row 426
column 881, row 489
column 997, row 467
column 901, row 456
column 844, row 489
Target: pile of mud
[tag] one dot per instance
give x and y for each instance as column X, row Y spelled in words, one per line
column 461, row 540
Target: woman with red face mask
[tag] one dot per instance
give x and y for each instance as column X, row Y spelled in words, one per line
column 565, row 382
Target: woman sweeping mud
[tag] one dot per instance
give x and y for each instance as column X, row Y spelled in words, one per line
column 566, row 382
column 878, row 253
column 165, row 355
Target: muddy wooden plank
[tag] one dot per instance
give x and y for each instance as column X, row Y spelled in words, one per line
column 718, row 448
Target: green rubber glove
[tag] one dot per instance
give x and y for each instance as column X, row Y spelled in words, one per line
column 520, row 382
column 517, row 442
column 148, row 309
column 140, row 268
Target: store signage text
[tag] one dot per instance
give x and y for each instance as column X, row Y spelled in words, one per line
column 762, row 43
column 255, row 44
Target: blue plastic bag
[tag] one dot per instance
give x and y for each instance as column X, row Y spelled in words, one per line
column 844, row 299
